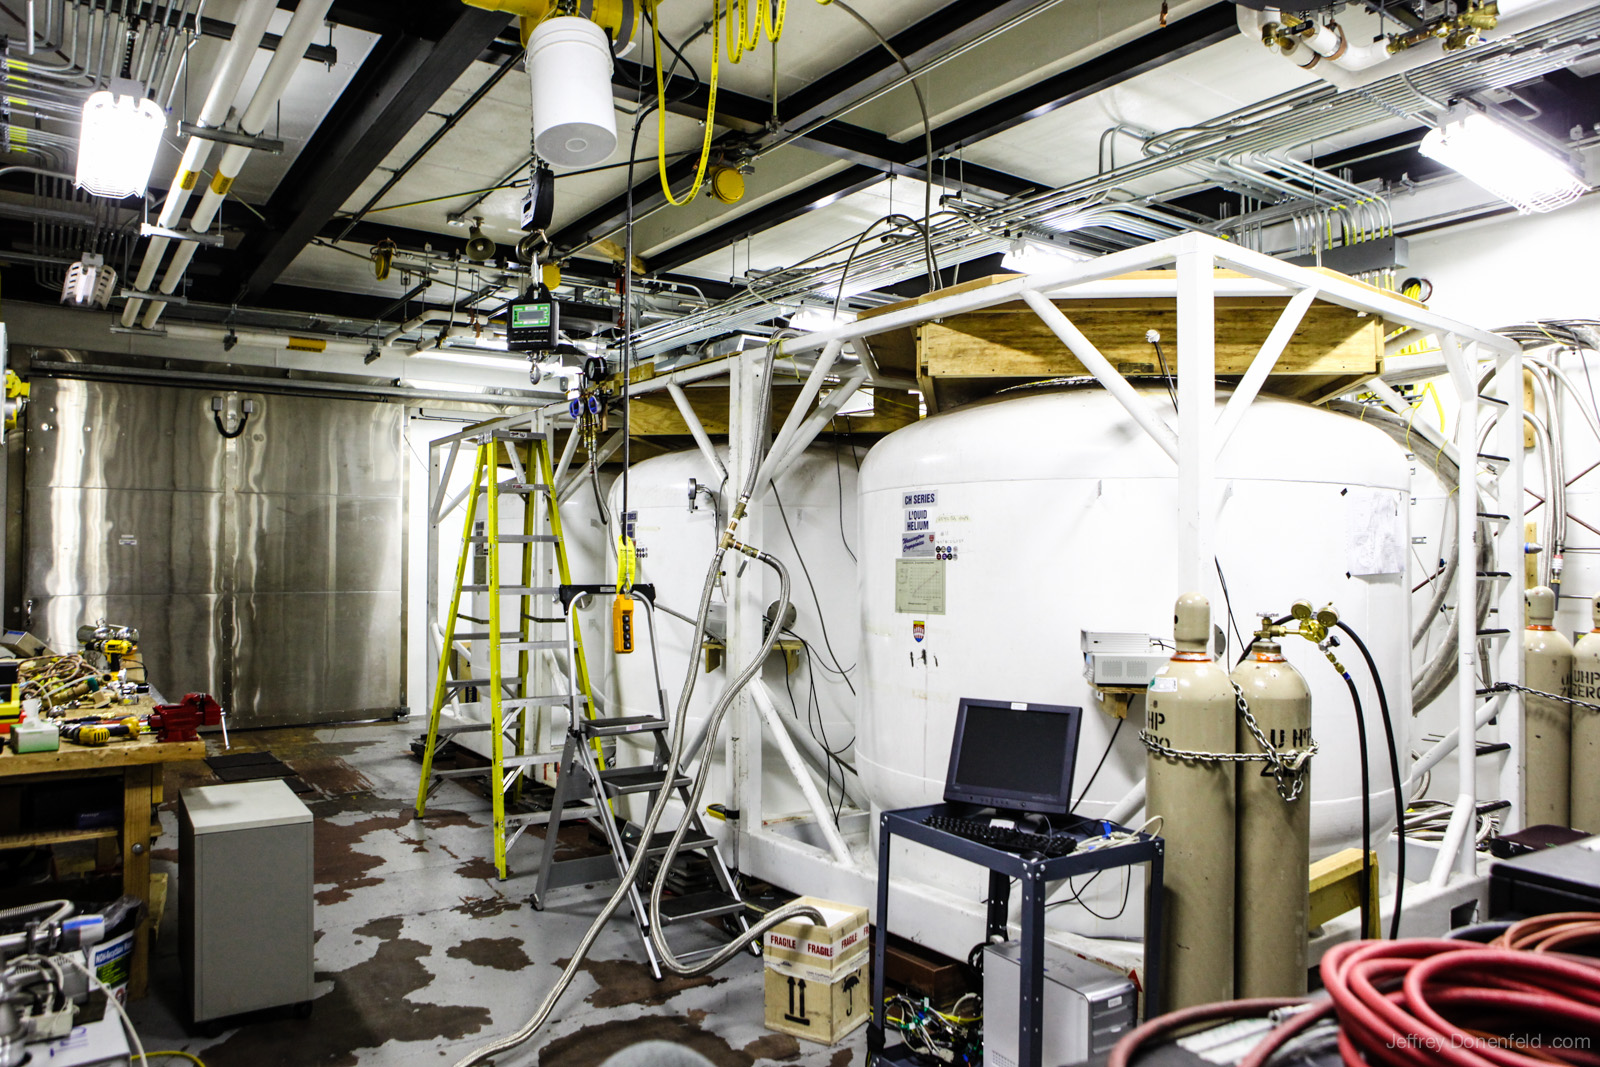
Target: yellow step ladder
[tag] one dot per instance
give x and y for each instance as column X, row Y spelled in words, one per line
column 537, row 629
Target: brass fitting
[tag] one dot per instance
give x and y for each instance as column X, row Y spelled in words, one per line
column 1311, row 624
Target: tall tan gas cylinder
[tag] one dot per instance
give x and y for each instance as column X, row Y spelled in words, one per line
column 1189, row 708
column 1274, row 834
column 1586, row 730
column 1547, row 733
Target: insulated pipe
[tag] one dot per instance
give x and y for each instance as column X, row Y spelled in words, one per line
column 269, row 339
column 308, row 18
column 1126, row 808
column 231, row 69
column 455, row 318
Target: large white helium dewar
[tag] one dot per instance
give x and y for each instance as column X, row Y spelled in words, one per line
column 1051, row 512
column 818, row 496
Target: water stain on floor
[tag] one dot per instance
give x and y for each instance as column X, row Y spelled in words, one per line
column 501, row 953
column 842, row 1058
column 368, row 1006
column 485, row 907
column 630, row 982
column 593, row 1045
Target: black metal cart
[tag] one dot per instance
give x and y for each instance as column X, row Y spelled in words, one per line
column 1034, row 875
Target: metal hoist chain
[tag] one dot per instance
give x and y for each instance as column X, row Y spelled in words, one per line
column 1288, row 766
column 1512, row 687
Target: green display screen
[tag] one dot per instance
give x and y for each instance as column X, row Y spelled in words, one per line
column 530, row 316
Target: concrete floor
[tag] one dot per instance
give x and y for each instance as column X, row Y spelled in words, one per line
column 422, row 954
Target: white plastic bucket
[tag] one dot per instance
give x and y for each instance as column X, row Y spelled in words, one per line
column 574, row 120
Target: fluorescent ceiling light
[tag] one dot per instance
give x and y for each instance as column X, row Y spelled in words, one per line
column 118, row 143
column 472, row 359
column 1510, row 165
column 1030, row 257
column 814, row 319
column 443, row 386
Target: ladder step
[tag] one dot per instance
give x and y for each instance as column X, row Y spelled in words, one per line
column 484, row 635
column 467, row 728
column 533, row 646
column 620, row 781
column 631, row 724
column 1496, row 401
column 542, row 818
column 1496, row 575
column 707, row 905
column 1493, row 633
column 481, row 683
column 515, row 590
column 516, row 539
column 692, row 842
column 1493, row 516
column 554, row 700
column 518, row 487
column 1493, row 462
column 537, row 759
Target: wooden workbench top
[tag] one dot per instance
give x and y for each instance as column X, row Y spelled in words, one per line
column 69, row 757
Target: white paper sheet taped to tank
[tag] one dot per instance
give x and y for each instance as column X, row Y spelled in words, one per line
column 1375, row 532
column 919, row 586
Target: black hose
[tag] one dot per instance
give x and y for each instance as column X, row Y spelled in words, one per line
column 1366, row 807
column 1394, row 773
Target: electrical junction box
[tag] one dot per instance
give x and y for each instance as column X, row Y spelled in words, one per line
column 534, row 326
column 1087, row 1007
column 1118, row 659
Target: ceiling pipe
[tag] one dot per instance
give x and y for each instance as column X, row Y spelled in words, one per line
column 308, row 19
column 1328, row 52
column 288, row 342
column 455, row 318
column 235, row 62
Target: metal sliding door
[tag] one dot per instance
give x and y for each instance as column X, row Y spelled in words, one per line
column 265, row 569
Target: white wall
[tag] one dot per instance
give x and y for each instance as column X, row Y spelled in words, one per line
column 1516, row 268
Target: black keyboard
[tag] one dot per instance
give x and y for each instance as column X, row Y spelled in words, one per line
column 1002, row 837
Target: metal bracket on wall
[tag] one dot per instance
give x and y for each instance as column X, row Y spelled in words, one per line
column 154, row 298
column 211, row 133
column 210, row 240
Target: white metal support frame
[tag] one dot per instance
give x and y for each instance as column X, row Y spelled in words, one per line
column 820, row 861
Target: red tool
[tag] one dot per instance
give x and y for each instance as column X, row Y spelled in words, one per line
column 181, row 722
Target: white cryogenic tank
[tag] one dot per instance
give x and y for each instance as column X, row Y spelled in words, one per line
column 1052, row 513
column 818, row 497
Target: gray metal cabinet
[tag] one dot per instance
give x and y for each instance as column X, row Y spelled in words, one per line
column 245, row 906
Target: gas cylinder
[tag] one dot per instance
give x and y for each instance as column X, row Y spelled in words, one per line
column 1585, row 814
column 1189, row 716
column 1274, row 833
column 1547, row 733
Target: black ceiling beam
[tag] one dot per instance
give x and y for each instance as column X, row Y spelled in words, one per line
column 401, row 79
column 948, row 28
column 1186, row 36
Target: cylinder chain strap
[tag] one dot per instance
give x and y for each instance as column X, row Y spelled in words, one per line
column 1288, row 765
column 1513, row 687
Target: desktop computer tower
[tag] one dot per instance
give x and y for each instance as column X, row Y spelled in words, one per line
column 1087, row 1007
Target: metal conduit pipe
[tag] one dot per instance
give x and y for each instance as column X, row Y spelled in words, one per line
column 231, row 68
column 308, row 19
column 459, row 318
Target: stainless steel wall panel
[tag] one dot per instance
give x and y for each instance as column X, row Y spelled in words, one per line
column 265, row 569
column 138, row 542
column 93, row 435
column 316, row 657
column 305, row 444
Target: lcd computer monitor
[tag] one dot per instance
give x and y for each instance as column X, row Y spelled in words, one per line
column 1015, row 757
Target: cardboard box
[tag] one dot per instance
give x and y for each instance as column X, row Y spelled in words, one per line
column 823, row 1012
column 819, row 953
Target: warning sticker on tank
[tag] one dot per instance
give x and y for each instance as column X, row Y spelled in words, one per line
column 919, row 586
column 1163, row 685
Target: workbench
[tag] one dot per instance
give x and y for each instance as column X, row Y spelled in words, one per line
column 139, row 764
